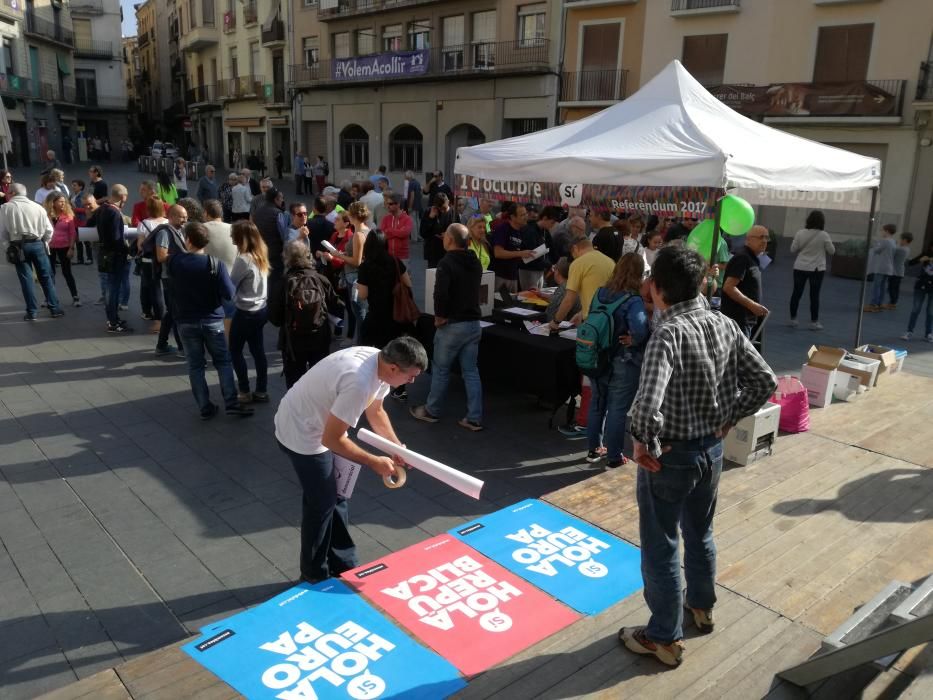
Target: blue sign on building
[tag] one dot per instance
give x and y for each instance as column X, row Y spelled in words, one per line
column 399, row 64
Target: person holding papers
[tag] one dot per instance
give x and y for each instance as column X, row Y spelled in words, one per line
column 311, row 428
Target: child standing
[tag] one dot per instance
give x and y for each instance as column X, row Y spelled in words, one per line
column 881, row 266
column 900, row 258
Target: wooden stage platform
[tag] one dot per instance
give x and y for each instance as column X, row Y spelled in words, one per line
column 804, row 537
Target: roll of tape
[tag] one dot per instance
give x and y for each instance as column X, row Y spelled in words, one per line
column 398, row 480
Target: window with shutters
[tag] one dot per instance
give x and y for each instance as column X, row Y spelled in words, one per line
column 234, row 67
column 598, row 76
column 392, row 38
column 531, row 24
column 254, row 58
column 419, row 34
column 311, row 48
column 842, row 53
column 405, row 145
column 82, row 31
column 365, row 42
column 342, row 45
column 86, row 87
column 484, row 39
column 704, row 56
column 452, row 29
column 354, row 147
column 7, row 56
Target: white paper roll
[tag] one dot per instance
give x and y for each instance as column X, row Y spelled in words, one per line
column 469, row 485
column 398, row 480
column 88, row 234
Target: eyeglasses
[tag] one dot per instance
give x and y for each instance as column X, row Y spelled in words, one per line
column 301, row 213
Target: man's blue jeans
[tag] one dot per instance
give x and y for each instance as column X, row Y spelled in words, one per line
column 327, row 548
column 35, row 256
column 210, row 335
column 119, row 267
column 878, row 285
column 919, row 297
column 683, row 494
column 124, row 285
column 457, row 342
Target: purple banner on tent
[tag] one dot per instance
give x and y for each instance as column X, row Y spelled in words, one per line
column 690, row 202
column 384, row 65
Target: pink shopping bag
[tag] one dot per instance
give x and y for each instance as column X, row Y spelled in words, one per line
column 791, row 396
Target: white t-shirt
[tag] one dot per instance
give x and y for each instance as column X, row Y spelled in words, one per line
column 344, row 384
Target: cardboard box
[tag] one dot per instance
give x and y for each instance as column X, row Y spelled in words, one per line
column 753, row 437
column 886, row 356
column 819, row 383
column 847, row 386
column 486, row 291
column 863, row 368
column 819, row 374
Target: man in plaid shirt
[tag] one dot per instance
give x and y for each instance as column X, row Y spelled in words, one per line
column 700, row 375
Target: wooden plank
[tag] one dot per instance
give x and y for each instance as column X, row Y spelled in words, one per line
column 105, row 685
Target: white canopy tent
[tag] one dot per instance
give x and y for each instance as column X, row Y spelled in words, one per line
column 672, row 133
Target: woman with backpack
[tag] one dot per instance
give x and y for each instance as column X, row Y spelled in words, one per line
column 302, row 313
column 249, row 275
column 619, row 306
column 378, row 275
column 150, row 293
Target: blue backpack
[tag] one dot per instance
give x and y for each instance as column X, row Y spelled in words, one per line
column 596, row 337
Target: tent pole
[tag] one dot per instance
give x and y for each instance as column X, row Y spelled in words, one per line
column 716, row 235
column 861, row 305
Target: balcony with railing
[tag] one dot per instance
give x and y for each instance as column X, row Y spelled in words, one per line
column 925, row 83
column 91, row 99
column 593, row 86
column 250, row 13
column 203, row 35
column 273, row 33
column 273, row 94
column 42, row 28
column 201, row 95
column 50, row 92
column 355, row 8
column 244, row 87
column 15, row 85
column 89, row 48
column 682, row 8
column 87, row 7
column 466, row 60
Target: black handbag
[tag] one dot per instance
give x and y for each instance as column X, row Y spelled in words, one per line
column 14, row 253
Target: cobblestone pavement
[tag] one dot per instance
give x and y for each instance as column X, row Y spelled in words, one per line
column 126, row 523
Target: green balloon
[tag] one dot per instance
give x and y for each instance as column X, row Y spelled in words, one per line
column 701, row 238
column 737, row 215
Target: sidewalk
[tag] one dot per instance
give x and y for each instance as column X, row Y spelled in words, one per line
column 126, row 523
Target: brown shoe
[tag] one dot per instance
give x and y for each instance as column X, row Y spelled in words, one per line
column 635, row 640
column 871, row 309
column 703, row 619
column 889, row 307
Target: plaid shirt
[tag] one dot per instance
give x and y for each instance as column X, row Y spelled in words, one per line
column 699, row 373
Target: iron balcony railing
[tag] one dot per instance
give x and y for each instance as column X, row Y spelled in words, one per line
column 273, row 93
column 92, row 100
column 925, row 82
column 200, row 94
column 11, row 84
column 38, row 26
column 446, row 61
column 593, row 85
column 51, row 92
column 681, row 5
column 351, row 8
column 273, row 32
column 239, row 88
column 88, row 48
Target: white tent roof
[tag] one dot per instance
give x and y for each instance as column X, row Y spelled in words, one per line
column 672, row 132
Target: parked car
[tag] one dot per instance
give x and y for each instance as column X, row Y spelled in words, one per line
column 156, row 150
column 163, row 150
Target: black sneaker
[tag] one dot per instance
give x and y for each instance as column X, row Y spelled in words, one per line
column 209, row 412
column 593, row 456
column 399, row 394
column 29, row 317
column 118, row 328
column 58, row 313
column 165, row 350
column 615, row 464
column 239, row 410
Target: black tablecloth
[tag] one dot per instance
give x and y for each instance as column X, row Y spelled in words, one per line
column 544, row 366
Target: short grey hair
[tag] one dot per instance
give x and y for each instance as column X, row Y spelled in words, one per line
column 406, row 352
column 346, row 185
column 296, row 254
column 18, row 189
column 409, row 175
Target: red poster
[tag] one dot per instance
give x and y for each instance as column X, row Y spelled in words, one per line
column 468, row 609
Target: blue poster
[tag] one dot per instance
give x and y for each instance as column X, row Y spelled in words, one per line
column 577, row 563
column 321, row 641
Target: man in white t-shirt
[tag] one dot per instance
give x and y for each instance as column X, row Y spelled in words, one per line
column 311, row 427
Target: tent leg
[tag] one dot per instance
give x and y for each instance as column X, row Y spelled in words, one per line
column 716, row 237
column 861, row 305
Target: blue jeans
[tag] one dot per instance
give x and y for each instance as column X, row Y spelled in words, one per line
column 35, row 257
column 919, row 297
column 878, row 285
column 120, row 268
column 327, row 548
column 246, row 329
column 457, row 342
column 124, row 284
column 360, row 307
column 623, row 384
column 682, row 494
column 196, row 336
